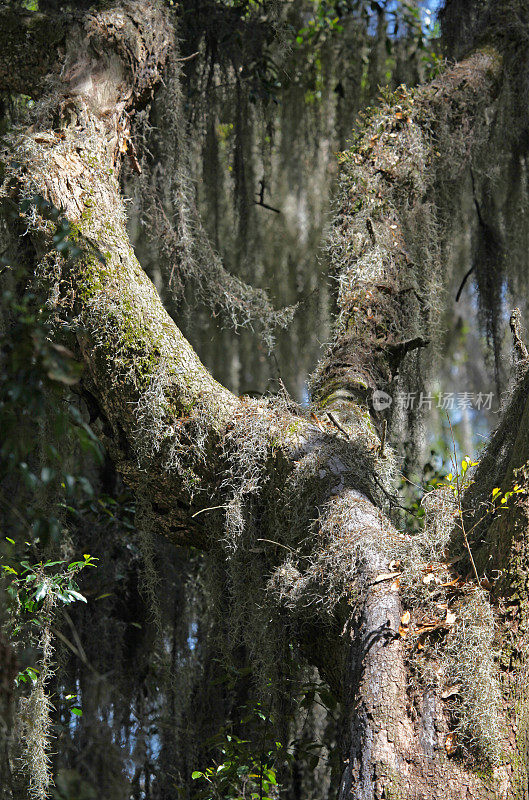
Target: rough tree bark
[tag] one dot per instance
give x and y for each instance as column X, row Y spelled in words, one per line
column 172, row 429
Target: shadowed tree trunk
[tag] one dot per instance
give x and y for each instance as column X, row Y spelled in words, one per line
column 187, row 445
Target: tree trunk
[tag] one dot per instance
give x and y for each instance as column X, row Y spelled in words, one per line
column 178, row 437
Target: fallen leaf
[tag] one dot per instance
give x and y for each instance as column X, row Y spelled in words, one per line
column 450, row 618
column 315, row 419
column 428, row 628
column 404, row 623
column 385, row 576
column 450, row 692
column 455, row 582
column 395, row 586
column 451, row 743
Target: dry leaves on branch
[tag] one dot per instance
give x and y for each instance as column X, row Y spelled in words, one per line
column 451, row 744
column 404, row 624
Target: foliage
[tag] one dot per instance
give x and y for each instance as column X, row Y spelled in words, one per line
column 45, row 454
column 246, row 768
column 28, row 588
column 248, row 761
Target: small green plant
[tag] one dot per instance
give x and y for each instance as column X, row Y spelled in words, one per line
column 246, row 758
column 246, row 769
column 30, row 584
column 240, row 774
column 33, row 590
column 457, row 482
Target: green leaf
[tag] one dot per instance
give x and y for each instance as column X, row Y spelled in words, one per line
column 86, row 486
column 46, row 474
column 77, row 595
column 41, row 593
column 77, row 711
column 196, row 774
column 270, row 774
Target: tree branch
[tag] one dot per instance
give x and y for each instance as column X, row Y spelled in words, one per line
column 385, row 244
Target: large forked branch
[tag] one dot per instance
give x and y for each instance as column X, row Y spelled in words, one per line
column 172, row 430
column 177, row 435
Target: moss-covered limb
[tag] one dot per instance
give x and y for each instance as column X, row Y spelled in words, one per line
column 149, row 384
column 188, row 445
column 500, row 543
column 385, row 244
column 143, row 374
